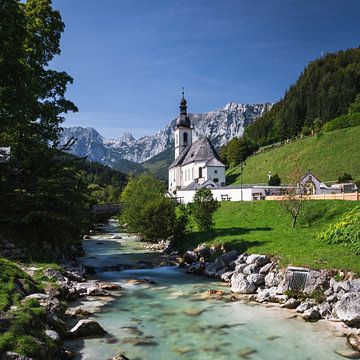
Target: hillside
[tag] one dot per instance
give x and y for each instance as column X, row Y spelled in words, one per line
column 328, row 155
column 263, row 227
column 323, row 91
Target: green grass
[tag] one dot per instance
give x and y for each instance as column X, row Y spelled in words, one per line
column 328, row 156
column 265, row 227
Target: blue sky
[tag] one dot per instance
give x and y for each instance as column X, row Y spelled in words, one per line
column 130, row 58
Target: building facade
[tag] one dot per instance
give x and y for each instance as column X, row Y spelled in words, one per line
column 195, row 162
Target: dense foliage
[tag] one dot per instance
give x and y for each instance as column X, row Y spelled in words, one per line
column 203, row 208
column 146, row 210
column 346, row 231
column 237, row 150
column 43, row 198
column 274, row 180
column 324, row 91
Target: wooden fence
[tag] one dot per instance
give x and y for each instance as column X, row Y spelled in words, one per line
column 342, row 196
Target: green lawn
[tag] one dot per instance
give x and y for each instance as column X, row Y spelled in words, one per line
column 264, row 227
column 328, row 156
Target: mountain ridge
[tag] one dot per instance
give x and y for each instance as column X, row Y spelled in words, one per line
column 219, row 125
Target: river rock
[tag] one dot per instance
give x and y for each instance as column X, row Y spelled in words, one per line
column 251, row 269
column 257, row 279
column 85, row 328
column 203, row 251
column 53, row 335
column 210, row 269
column 120, row 357
column 325, row 309
column 354, row 341
column 226, row 276
column 348, row 309
column 240, row 285
column 347, row 353
column 258, row 260
column 306, row 305
column 9, row 355
column 190, row 257
column 54, row 274
column 273, row 279
column 347, row 286
column 311, row 315
column 239, row 268
column 225, row 259
column 109, row 286
column 291, row 303
column 196, row 267
column 271, row 295
column 266, row 268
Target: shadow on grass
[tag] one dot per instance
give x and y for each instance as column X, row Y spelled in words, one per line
column 196, row 238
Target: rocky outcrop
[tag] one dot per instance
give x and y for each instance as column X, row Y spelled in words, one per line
column 317, row 295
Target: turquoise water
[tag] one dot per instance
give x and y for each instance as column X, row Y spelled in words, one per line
column 175, row 320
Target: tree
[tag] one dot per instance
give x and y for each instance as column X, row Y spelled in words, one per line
column 43, row 197
column 274, row 180
column 345, row 178
column 146, row 210
column 203, row 208
column 355, row 106
column 294, row 197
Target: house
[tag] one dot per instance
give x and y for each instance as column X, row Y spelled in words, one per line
column 196, row 163
column 313, row 186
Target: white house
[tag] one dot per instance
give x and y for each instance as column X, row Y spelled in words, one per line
column 195, row 162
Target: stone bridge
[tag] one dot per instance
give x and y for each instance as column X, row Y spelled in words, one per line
column 108, row 209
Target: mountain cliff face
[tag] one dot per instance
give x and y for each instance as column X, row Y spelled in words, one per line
column 219, row 125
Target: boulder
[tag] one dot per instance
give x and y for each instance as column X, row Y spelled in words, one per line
column 325, row 309
column 257, row 279
column 347, row 286
column 270, row 295
column 53, row 335
column 258, row 260
column 85, row 328
column 348, row 353
column 203, row 251
column 266, row 268
column 120, row 357
column 190, row 257
column 224, row 260
column 291, row 303
column 210, row 270
column 311, row 315
column 251, row 269
column 240, row 285
column 227, row 276
column 306, row 305
column 239, row 268
column 196, row 267
column 353, row 341
column 348, row 309
column 54, row 274
column 273, row 279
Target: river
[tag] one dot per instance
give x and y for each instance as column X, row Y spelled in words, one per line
column 170, row 320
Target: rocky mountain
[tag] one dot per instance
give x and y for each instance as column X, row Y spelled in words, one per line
column 219, row 125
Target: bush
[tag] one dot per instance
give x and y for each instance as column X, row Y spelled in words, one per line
column 343, row 121
column 203, row 208
column 346, row 231
column 345, row 178
column 274, row 180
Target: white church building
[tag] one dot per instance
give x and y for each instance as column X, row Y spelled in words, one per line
column 196, row 163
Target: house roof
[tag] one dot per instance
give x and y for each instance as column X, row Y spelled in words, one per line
column 200, row 150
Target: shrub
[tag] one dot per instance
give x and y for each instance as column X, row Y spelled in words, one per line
column 345, row 178
column 343, row 121
column 274, row 180
column 346, row 231
column 203, row 208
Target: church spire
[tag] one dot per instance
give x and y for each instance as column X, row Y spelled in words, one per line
column 183, row 119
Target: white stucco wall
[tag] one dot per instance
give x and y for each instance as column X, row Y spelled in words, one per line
column 215, row 172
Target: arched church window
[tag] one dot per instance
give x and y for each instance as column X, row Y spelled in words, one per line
column 185, row 138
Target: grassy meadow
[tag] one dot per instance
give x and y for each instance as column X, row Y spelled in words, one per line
column 265, row 227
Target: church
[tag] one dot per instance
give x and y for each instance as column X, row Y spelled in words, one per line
column 197, row 163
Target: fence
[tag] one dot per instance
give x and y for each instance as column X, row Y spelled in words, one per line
column 342, row 196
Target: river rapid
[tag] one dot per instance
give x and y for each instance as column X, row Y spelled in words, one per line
column 171, row 320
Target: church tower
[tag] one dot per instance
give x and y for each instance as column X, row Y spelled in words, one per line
column 183, row 131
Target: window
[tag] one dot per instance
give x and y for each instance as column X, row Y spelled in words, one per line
column 216, row 180
column 200, row 172
column 185, row 138
column 215, row 171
